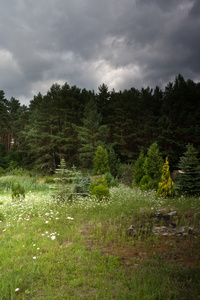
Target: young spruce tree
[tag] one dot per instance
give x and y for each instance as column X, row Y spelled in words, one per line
column 138, row 168
column 152, row 168
column 189, row 178
column 101, row 164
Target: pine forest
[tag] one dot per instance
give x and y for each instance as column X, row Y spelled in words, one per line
column 70, row 123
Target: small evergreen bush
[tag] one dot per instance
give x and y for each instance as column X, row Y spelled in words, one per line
column 80, row 185
column 100, row 192
column 138, row 169
column 153, row 165
column 127, row 174
column 2, row 171
column 70, row 183
column 165, row 186
column 99, row 189
column 111, row 181
column 146, row 183
column 114, row 163
column 101, row 163
column 18, row 191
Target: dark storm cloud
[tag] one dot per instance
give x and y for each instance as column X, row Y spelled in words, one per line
column 123, row 43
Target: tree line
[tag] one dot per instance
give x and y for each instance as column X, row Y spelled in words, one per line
column 70, row 123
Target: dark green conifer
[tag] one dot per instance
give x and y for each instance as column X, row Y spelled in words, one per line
column 189, row 178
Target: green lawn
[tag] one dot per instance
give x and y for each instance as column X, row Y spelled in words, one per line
column 83, row 249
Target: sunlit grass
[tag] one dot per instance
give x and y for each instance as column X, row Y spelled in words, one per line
column 80, row 249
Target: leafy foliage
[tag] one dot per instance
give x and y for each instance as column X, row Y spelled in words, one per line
column 165, row 186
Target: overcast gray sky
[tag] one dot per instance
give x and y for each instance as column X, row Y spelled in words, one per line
column 122, row 43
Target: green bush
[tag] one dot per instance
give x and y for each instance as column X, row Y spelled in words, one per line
column 70, row 183
column 18, row 191
column 153, row 165
column 49, row 179
column 127, row 174
column 146, row 183
column 114, row 163
column 101, row 163
column 99, row 189
column 100, row 192
column 138, row 169
column 2, row 171
column 98, row 182
column 1, row 216
column 111, row 181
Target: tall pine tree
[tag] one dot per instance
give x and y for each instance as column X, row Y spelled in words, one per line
column 90, row 134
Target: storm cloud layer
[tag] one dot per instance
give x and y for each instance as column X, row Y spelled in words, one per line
column 122, row 43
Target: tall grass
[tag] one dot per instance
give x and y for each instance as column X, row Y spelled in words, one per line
column 28, row 183
column 81, row 250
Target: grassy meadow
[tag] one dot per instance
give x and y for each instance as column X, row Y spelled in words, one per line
column 84, row 249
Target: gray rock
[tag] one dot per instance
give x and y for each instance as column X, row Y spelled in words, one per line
column 172, row 213
column 132, row 231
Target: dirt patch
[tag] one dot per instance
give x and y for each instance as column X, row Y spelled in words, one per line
column 180, row 242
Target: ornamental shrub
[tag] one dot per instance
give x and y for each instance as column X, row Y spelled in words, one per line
column 70, row 183
column 153, row 164
column 165, row 186
column 100, row 192
column 146, row 183
column 99, row 189
column 101, row 163
column 18, row 191
column 111, row 181
column 2, row 171
column 127, row 174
